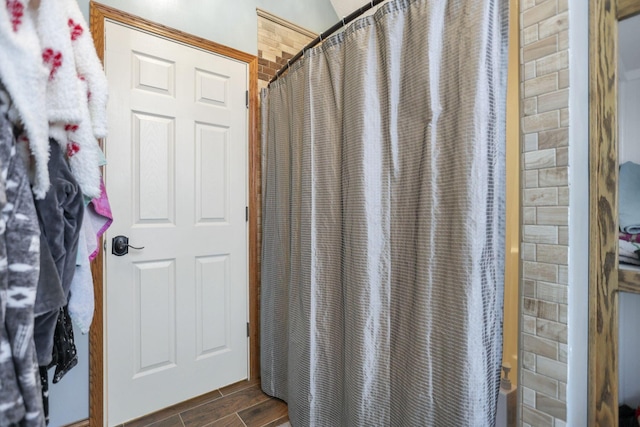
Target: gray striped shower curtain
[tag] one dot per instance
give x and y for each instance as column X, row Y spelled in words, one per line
column 383, row 220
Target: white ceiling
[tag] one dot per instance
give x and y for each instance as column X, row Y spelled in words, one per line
column 345, row 7
column 629, row 36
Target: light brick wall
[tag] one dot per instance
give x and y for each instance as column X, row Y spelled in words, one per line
column 544, row 57
column 278, row 41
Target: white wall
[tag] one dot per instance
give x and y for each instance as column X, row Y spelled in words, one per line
column 629, row 350
column 230, row 23
column 69, row 399
column 578, row 213
column 628, row 342
column 629, row 120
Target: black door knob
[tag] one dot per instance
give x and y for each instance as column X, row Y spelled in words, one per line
column 120, row 246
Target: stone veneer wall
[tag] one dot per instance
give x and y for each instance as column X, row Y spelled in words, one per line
column 278, row 41
column 544, row 75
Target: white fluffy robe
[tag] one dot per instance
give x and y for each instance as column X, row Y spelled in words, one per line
column 55, row 43
column 83, row 152
column 88, row 66
column 25, row 78
column 55, row 78
column 77, row 94
column 79, row 137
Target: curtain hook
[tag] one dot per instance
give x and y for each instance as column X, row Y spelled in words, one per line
column 343, row 21
column 288, row 63
column 371, row 3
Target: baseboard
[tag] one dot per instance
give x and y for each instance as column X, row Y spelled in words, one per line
column 81, row 423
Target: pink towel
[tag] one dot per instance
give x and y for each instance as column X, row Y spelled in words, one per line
column 99, row 212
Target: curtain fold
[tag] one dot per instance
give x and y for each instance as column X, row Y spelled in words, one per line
column 383, row 220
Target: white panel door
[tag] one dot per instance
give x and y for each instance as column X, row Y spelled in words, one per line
column 177, row 180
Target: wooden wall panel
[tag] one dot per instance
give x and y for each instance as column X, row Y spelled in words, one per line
column 627, row 8
column 603, row 235
column 605, row 279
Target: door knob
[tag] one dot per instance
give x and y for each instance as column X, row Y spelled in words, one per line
column 120, row 246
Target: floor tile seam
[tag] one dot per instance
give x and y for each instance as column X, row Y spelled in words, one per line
column 239, row 390
column 259, row 403
column 199, row 405
column 233, row 413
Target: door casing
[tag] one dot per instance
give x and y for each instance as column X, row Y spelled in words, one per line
column 98, row 14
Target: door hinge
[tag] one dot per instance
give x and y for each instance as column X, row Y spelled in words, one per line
column 246, row 213
column 247, row 329
column 246, row 98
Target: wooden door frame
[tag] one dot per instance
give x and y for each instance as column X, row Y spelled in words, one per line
column 99, row 13
column 604, row 276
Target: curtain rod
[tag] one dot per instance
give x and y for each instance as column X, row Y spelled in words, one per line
column 346, row 20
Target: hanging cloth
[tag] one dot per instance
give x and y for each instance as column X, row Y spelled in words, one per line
column 81, row 298
column 60, row 215
column 24, row 75
column 22, row 244
column 65, row 356
column 81, row 142
column 383, row 220
column 63, row 91
column 12, row 408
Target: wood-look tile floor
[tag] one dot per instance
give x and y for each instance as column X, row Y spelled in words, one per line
column 239, row 405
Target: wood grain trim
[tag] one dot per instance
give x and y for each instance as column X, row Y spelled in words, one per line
column 254, row 203
column 96, row 343
column 98, row 14
column 603, row 237
column 171, row 33
column 82, row 423
column 96, row 347
column 629, row 281
column 628, row 8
